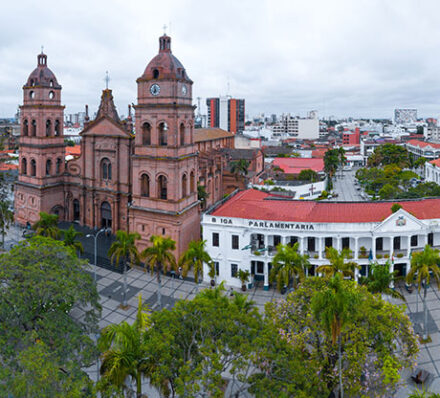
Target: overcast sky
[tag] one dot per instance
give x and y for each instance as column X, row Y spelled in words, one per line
column 359, row 58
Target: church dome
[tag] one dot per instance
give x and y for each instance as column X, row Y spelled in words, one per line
column 165, row 65
column 42, row 76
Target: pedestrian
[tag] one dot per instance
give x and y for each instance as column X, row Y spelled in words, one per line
column 180, row 273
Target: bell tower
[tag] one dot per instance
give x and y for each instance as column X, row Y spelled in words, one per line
column 42, row 149
column 165, row 162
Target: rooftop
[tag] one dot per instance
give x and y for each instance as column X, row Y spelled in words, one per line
column 423, row 144
column 209, row 134
column 296, row 165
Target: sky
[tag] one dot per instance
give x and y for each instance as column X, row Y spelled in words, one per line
column 359, row 58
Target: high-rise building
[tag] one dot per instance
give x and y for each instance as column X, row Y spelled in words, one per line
column 226, row 113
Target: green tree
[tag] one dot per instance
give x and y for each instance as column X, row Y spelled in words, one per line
column 379, row 280
column 333, row 307
column 194, row 257
column 71, row 239
column 424, row 265
column 45, row 297
column 239, row 168
column 396, row 207
column 202, row 195
column 331, row 162
column 389, row 191
column 159, row 257
column 389, row 154
column 288, row 265
column 124, row 248
column 308, row 175
column 47, row 225
column 420, row 162
column 123, row 353
column 6, row 218
column 338, row 263
column 368, row 337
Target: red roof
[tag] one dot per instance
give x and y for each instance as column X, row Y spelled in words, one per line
column 8, row 166
column 252, row 204
column 435, row 162
column 423, row 144
column 296, row 165
column 73, row 150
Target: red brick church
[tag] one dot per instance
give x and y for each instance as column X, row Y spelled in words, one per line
column 144, row 182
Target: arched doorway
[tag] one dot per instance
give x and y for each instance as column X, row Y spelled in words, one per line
column 106, row 215
column 59, row 211
column 76, row 210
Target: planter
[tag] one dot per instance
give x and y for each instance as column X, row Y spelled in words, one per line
column 243, row 288
column 399, row 255
column 379, row 256
column 386, row 256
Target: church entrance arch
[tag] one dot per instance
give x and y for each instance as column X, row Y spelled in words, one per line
column 106, row 215
column 76, row 210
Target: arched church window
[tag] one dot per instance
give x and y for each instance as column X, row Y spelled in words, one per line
column 163, row 139
column 76, row 210
column 106, row 169
column 184, row 186
column 25, row 127
column 32, row 94
column 155, row 73
column 216, row 183
column 48, row 128
column 51, row 84
column 145, row 185
column 33, row 128
column 57, row 127
column 146, row 134
column 48, row 167
column 33, row 168
column 182, row 134
column 162, row 187
column 58, row 166
column 24, row 166
column 32, row 82
column 51, row 95
column 192, row 182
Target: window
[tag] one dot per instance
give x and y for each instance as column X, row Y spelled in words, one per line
column 234, row 270
column 106, row 169
column 431, row 239
column 235, row 241
column 191, row 182
column 217, row 267
column 34, row 128
column 58, row 166
column 215, row 239
column 163, row 139
column 184, row 186
column 32, row 94
column 48, row 128
column 146, row 134
column 51, row 84
column 292, row 240
column 57, row 127
column 33, row 168
column 346, row 243
column 51, row 95
column 76, row 210
column 162, row 187
column 145, row 185
column 379, row 244
column 414, row 240
column 276, row 240
column 155, row 73
column 182, row 134
column 24, row 166
column 311, row 244
column 260, row 267
column 328, row 242
column 25, row 127
column 48, row 167
column 396, row 243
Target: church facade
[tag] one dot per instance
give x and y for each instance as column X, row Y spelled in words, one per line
column 144, row 182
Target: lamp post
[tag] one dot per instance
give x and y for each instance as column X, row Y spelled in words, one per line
column 96, row 248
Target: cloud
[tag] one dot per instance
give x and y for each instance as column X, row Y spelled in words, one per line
column 344, row 58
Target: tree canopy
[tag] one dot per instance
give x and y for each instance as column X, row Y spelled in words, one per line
column 390, row 154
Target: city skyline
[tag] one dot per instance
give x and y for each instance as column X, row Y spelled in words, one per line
column 343, row 59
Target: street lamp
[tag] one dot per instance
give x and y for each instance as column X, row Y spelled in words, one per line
column 95, row 248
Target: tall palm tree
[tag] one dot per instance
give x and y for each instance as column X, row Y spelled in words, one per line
column 288, row 264
column 379, row 280
column 338, row 263
column 194, row 257
column 70, row 239
column 123, row 351
column 6, row 218
column 124, row 247
column 239, row 167
column 47, row 225
column 332, row 307
column 424, row 265
column 159, row 256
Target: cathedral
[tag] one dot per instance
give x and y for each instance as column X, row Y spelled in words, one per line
column 144, row 182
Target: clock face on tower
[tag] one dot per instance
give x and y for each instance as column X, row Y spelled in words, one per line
column 184, row 90
column 155, row 89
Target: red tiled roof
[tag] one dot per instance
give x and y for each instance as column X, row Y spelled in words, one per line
column 251, row 204
column 423, row 144
column 296, row 165
column 73, row 150
column 8, row 166
column 435, row 162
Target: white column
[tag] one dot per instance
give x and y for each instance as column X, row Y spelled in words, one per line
column 356, row 248
column 338, row 243
column 301, row 240
column 266, row 276
column 391, row 246
column 408, row 245
column 319, row 247
column 373, row 246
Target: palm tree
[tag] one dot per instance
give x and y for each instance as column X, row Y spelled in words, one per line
column 379, row 280
column 123, row 351
column 288, row 264
column 338, row 263
column 70, row 239
column 124, row 247
column 6, row 218
column 194, row 257
column 332, row 307
column 47, row 225
column 424, row 265
column 239, row 167
column 159, row 256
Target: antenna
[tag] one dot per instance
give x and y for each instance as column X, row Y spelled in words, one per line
column 106, row 79
column 164, row 27
column 42, row 49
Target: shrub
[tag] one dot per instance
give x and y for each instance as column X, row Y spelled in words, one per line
column 386, row 256
column 316, row 256
column 395, row 207
column 379, row 256
column 399, row 255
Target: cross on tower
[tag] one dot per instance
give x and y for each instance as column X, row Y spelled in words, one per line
column 106, row 79
column 164, row 29
column 312, row 189
column 42, row 48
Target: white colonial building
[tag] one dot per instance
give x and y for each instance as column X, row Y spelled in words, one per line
column 243, row 232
